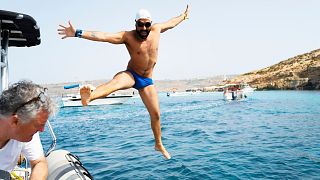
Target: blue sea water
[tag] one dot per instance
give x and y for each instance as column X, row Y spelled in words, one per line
column 269, row 135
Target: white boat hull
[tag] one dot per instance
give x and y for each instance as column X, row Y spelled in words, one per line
column 235, row 95
column 247, row 90
column 75, row 101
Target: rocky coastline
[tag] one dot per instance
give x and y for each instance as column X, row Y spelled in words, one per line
column 301, row 72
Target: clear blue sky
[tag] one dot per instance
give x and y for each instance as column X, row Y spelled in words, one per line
column 221, row 37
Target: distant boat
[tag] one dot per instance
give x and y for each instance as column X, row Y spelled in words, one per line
column 185, row 93
column 233, row 92
column 74, row 100
column 180, row 93
column 246, row 88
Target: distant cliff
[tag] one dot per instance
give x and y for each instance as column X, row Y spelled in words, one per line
column 298, row 73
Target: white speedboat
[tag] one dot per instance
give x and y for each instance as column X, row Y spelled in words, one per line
column 246, row 88
column 74, row 100
column 233, row 92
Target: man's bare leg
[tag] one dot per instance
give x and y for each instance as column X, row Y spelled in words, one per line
column 149, row 97
column 122, row 80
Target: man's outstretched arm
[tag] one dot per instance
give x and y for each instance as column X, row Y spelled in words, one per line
column 175, row 21
column 70, row 31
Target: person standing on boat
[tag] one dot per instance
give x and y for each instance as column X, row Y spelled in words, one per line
column 142, row 45
column 24, row 111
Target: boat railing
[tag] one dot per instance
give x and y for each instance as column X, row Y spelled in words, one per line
column 54, row 139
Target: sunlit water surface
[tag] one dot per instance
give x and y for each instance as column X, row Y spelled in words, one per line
column 269, row 135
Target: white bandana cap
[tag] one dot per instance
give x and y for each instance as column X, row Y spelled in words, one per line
column 143, row 14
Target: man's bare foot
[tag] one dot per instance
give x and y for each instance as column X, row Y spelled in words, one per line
column 163, row 151
column 85, row 92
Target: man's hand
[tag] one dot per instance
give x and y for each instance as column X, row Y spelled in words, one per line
column 186, row 13
column 67, row 31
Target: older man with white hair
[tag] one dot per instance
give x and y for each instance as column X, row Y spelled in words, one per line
column 24, row 110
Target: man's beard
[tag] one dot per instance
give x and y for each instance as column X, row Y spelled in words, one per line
column 143, row 34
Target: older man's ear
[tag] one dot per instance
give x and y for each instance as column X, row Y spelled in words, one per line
column 14, row 120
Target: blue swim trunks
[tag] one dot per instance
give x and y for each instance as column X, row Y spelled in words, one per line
column 140, row 81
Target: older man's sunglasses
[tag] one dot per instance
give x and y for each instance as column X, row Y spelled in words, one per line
column 141, row 24
column 41, row 97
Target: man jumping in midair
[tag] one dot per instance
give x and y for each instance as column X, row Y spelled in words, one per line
column 142, row 44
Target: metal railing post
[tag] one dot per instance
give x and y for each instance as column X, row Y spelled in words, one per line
column 4, row 59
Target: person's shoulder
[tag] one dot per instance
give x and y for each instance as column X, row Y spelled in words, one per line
column 156, row 27
column 35, row 139
column 129, row 33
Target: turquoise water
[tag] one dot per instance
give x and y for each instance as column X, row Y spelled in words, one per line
column 270, row 135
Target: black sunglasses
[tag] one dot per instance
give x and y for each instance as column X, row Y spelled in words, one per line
column 41, row 97
column 141, row 24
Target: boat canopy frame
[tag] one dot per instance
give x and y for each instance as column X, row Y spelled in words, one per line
column 16, row 30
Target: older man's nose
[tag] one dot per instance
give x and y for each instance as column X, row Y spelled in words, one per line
column 41, row 129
